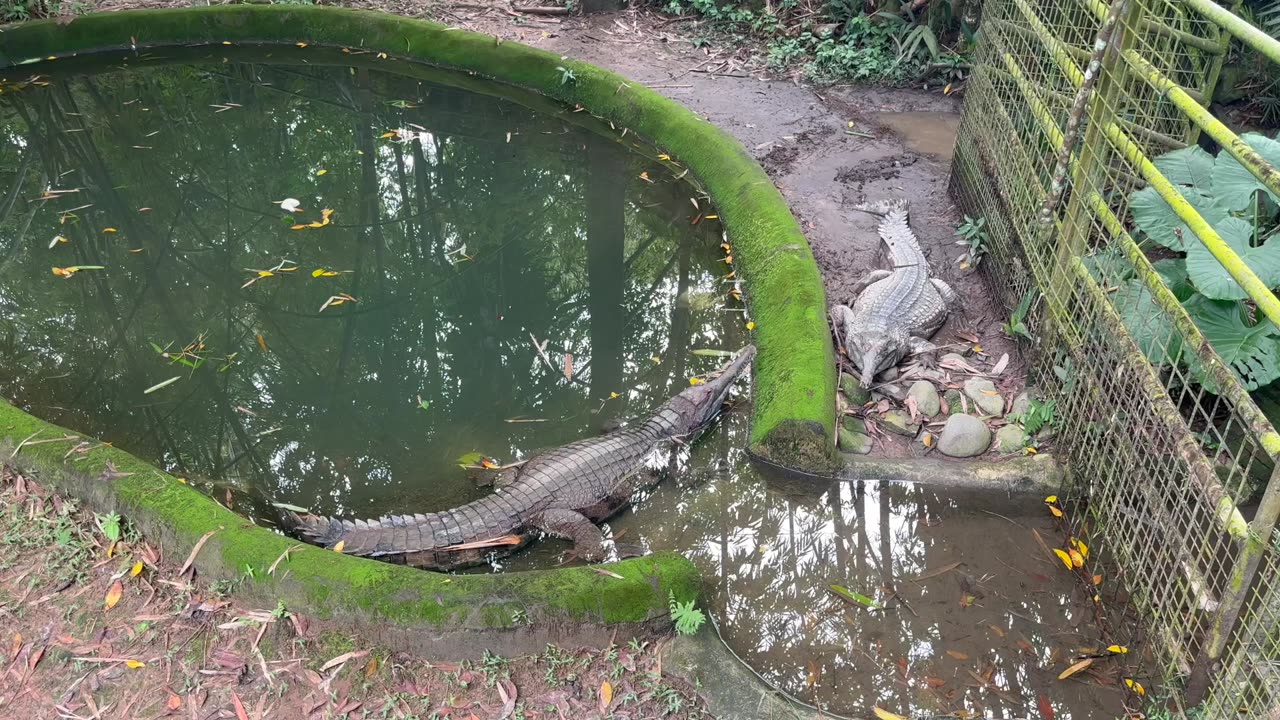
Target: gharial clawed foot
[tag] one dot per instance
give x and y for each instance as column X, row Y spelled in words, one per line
column 924, row 353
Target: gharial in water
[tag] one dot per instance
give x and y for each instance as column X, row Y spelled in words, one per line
column 896, row 311
column 562, row 492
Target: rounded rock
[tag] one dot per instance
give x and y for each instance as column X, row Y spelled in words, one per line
column 964, row 436
column 926, row 397
column 1011, row 438
column 983, row 393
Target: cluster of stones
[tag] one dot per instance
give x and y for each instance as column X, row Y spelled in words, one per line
column 968, row 411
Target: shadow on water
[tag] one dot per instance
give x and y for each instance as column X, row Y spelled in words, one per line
column 464, row 228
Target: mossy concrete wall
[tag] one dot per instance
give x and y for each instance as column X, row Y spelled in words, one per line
column 794, row 392
column 397, row 606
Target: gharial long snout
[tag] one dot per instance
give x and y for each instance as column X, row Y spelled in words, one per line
column 709, row 396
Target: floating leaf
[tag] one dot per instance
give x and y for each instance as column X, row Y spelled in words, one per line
column 645, row 177
column 1075, row 668
column 854, row 597
column 321, row 172
column 262, row 342
column 290, row 205
column 109, row 230
column 341, row 544
column 113, row 595
column 57, row 239
column 751, row 325
column 568, row 366
column 614, row 396
column 1066, row 559
column 136, row 570
column 696, row 381
column 159, row 385
column 883, row 714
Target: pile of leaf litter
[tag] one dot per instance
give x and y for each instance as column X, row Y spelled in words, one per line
column 95, row 622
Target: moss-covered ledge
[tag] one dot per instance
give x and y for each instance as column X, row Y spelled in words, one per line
column 395, row 606
column 794, row 388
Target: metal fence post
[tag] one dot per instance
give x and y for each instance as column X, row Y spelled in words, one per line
column 1243, row 574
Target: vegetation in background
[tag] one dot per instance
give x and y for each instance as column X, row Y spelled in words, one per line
column 1249, row 77
column 1247, row 216
column 841, row 40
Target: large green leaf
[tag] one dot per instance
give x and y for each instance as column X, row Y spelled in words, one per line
column 1212, row 279
column 1147, row 323
column 1108, row 266
column 1174, row 273
column 1159, row 222
column 1188, row 166
column 1252, row 351
column 1233, row 184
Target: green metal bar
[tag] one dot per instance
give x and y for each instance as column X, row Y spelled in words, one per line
column 1253, row 286
column 1099, row 8
column 1250, row 159
column 1239, row 27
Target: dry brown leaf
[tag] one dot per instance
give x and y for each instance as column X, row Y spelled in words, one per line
column 342, row 659
column 1075, row 668
column 957, row 655
column 17, row 645
column 113, row 595
column 370, row 668
column 174, row 702
column 1001, row 365
column 240, row 711
column 568, row 366
column 196, row 550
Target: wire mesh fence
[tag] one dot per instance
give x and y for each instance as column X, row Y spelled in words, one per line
column 1164, row 442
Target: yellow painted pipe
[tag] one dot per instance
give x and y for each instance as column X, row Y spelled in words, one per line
column 1239, row 27
column 1248, row 157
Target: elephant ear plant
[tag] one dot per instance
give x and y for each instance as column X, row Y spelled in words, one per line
column 1247, row 216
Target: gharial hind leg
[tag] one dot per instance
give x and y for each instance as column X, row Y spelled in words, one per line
column 949, row 296
column 588, row 541
column 867, row 281
column 924, row 352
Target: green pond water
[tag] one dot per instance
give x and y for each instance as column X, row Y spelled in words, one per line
column 464, row 227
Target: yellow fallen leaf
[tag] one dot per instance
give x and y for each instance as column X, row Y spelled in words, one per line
column 751, row 325
column 316, row 224
column 1051, row 499
column 341, row 544
column 1084, row 549
column 645, row 177
column 109, row 230
column 1066, row 559
column 696, row 381
column 1097, row 579
column 657, row 360
column 606, row 695
column 725, row 246
column 1030, row 451
column 731, row 275
column 885, row 714
column 664, row 157
column 1075, row 668
column 301, row 45
column 113, row 595
column 947, row 90
column 299, row 226
column 1056, row 512
column 1077, row 560
column 712, row 217
column 387, row 135
column 1135, row 686
column 927, row 439
column 136, row 570
column 1117, row 649
column 614, row 396
column 321, row 172
column 134, row 664
column 262, row 343
column 325, row 213
column 728, row 259
column 135, row 251
column 265, row 273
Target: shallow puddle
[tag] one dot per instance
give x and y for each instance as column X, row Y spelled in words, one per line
column 349, row 356
column 927, row 133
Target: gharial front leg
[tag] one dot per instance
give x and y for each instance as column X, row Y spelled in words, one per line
column 867, row 281
column 924, row 352
column 588, row 541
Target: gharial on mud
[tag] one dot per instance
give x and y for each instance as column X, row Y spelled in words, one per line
column 895, row 311
column 561, row 492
